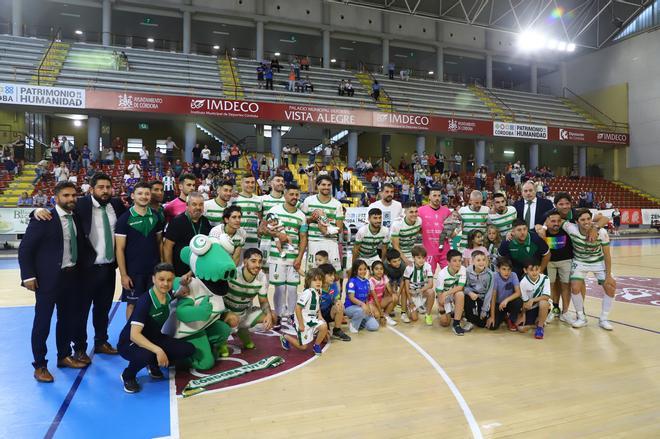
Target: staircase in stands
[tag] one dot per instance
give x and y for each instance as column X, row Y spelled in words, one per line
column 496, row 110
column 230, row 78
column 22, row 183
column 587, row 115
column 384, row 103
column 639, row 192
column 51, row 63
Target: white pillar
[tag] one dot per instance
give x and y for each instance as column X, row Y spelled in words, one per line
column 479, row 153
column 534, row 78
column 352, row 148
column 533, row 156
column 106, row 29
column 93, row 135
column 326, row 49
column 190, row 138
column 276, row 144
column 421, row 145
column 187, row 24
column 260, row 41
column 386, row 54
column 17, row 18
column 439, row 63
column 489, row 71
column 582, row 161
column 564, row 77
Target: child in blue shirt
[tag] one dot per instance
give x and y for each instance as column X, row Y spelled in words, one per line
column 506, row 303
column 332, row 308
column 358, row 290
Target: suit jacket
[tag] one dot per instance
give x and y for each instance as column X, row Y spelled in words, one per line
column 42, row 248
column 542, row 207
column 84, row 210
column 335, row 175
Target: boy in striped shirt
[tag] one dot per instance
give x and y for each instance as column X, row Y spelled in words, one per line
column 535, row 293
column 372, row 239
column 251, row 207
column 417, row 292
column 588, row 257
column 449, row 285
column 405, row 232
column 474, row 216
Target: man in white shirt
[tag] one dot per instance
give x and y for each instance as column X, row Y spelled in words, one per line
column 170, row 146
column 392, row 209
column 206, row 154
column 285, row 155
column 134, row 170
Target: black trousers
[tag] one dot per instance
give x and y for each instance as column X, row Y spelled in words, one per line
column 138, row 358
column 472, row 311
column 62, row 296
column 98, row 289
column 512, row 310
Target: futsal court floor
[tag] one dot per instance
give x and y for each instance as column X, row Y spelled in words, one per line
column 407, row 381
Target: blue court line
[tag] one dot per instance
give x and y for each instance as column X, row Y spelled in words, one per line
column 625, row 242
column 629, row 325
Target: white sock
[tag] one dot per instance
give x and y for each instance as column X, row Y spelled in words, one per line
column 292, row 298
column 279, row 298
column 578, row 303
column 607, row 306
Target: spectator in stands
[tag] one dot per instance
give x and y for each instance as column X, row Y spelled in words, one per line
column 39, row 200
column 85, row 187
column 39, row 171
column 287, row 175
column 390, row 70
column 61, row 173
column 73, row 158
column 24, row 200
column 124, row 61
column 404, row 74
column 348, row 88
column 260, row 75
column 616, row 220
column 206, row 154
column 177, row 168
column 65, row 147
column 275, row 64
column 342, row 197
column 304, row 63
column 55, row 150
column 196, row 153
column 295, row 151
column 86, row 155
column 144, row 158
column 292, row 80
column 341, row 88
column 295, row 66
column 108, row 156
column 135, row 170
column 268, row 75
column 307, row 85
column 590, row 199
column 346, row 177
column 158, row 161
column 168, row 186
column 375, row 90
column 458, row 158
column 335, row 175
column 234, row 155
column 365, row 198
column 170, row 146
column 327, row 154
column 118, row 147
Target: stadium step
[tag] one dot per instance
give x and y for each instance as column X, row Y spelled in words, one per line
column 384, row 102
column 51, row 63
column 585, row 114
column 496, row 110
column 230, row 78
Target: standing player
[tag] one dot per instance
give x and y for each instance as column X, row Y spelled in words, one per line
column 157, row 193
column 178, row 205
column 268, row 201
column 474, row 216
column 213, row 208
column 392, row 209
column 325, row 217
column 250, row 205
column 372, row 239
column 592, row 257
column 404, row 233
column 559, row 267
column 283, row 271
column 502, row 215
column 433, row 217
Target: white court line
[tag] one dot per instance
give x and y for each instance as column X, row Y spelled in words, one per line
column 472, row 422
column 174, row 407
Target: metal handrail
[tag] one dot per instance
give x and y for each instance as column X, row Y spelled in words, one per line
column 491, row 94
column 382, row 89
column 611, row 121
column 50, row 46
column 233, row 75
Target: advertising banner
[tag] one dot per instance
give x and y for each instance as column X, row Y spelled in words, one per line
column 26, row 94
column 631, row 216
column 576, row 135
column 14, row 220
column 650, row 215
column 520, row 130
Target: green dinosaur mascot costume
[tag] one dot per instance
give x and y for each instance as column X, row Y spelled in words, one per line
column 197, row 316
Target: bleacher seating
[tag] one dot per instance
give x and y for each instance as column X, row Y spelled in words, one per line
column 20, row 57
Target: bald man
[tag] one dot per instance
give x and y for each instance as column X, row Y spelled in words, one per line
column 474, row 216
column 531, row 208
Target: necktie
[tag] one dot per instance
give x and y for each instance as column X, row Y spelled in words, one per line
column 528, row 213
column 73, row 242
column 107, row 234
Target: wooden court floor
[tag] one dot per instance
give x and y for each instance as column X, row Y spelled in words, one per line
column 419, row 381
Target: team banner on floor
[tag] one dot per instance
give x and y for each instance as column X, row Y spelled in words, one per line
column 14, row 220
column 26, row 94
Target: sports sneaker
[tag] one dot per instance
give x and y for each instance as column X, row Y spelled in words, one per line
column 556, row 311
column 317, row 349
column 405, row 318
column 538, row 334
column 130, row 384
column 567, row 317
column 457, row 329
column 340, row 335
column 512, row 326
column 285, row 343
column 155, row 372
column 550, row 317
column 278, row 324
column 580, row 322
column 605, row 324
column 390, row 321
column 429, row 320
column 392, row 314
column 352, row 329
column 467, row 326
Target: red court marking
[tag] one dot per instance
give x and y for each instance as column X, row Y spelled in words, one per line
column 267, row 344
column 630, row 289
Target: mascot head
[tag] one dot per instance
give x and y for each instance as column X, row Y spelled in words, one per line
column 210, row 262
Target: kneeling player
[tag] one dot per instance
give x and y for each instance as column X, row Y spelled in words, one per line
column 417, row 294
column 535, row 291
column 449, row 288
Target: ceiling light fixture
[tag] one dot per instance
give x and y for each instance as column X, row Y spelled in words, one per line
column 150, row 40
column 79, row 32
column 333, row 60
column 277, row 53
column 216, row 47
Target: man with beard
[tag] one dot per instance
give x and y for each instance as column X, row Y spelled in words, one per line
column 284, row 267
column 531, row 208
column 268, row 201
column 250, row 205
column 182, row 229
column 157, row 194
column 392, row 209
column 524, row 246
column 559, row 267
column 178, row 205
column 214, row 208
column 372, row 239
column 139, row 238
column 404, row 233
column 433, row 216
column 98, row 214
column 474, row 216
column 48, row 257
column 502, row 215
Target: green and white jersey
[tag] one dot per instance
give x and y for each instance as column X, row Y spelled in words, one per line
column 268, row 202
column 213, row 212
column 447, row 280
column 503, row 221
column 237, row 239
column 295, row 225
column 310, row 302
column 370, row 242
column 241, row 293
column 251, row 212
column 584, row 251
column 472, row 220
column 531, row 290
column 332, row 209
column 417, row 276
column 407, row 234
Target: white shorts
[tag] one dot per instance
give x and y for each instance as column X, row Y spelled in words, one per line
column 311, row 328
column 371, row 260
column 561, row 269
column 328, row 245
column 449, row 303
column 417, row 298
column 580, row 271
column 264, row 246
column 282, row 274
column 249, row 317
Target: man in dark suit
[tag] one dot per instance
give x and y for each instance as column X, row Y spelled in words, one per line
column 532, row 209
column 49, row 257
column 335, row 174
column 98, row 213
